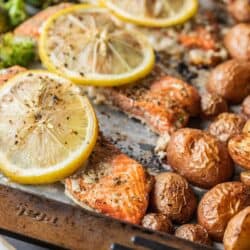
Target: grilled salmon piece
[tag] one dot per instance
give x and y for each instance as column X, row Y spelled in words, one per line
column 32, row 26
column 112, row 183
column 164, row 103
column 6, row 74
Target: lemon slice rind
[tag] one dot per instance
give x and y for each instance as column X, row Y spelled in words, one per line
column 179, row 18
column 56, row 172
column 96, row 79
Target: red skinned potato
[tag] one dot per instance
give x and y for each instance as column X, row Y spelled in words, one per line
column 245, row 107
column 226, row 125
column 237, row 233
column 199, row 157
column 239, row 9
column 237, row 41
column 230, row 80
column 239, row 150
column 246, row 128
column 195, row 233
column 245, row 177
column 212, row 105
column 239, row 147
column 179, row 92
column 220, row 204
column 158, row 222
column 173, row 197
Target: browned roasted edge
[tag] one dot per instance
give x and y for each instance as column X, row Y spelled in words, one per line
column 70, row 227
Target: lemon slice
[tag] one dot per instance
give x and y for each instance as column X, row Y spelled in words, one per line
column 89, row 46
column 47, row 128
column 153, row 13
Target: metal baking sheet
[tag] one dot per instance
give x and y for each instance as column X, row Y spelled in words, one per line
column 129, row 135
column 132, row 137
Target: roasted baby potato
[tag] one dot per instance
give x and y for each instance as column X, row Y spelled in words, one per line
column 220, row 204
column 239, row 149
column 226, row 125
column 245, row 177
column 173, row 197
column 239, row 9
column 246, row 128
column 199, row 157
column 237, row 41
column 195, row 233
column 212, row 105
column 158, row 222
column 179, row 92
column 230, row 80
column 237, row 233
column 245, row 107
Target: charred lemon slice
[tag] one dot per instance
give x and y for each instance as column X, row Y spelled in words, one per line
column 47, row 128
column 89, row 46
column 153, row 13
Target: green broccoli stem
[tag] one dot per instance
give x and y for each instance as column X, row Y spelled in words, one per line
column 15, row 50
column 15, row 9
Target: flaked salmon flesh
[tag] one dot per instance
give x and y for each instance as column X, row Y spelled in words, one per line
column 6, row 74
column 112, row 183
column 164, row 103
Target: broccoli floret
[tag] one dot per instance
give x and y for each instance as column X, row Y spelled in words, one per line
column 15, row 50
column 15, row 10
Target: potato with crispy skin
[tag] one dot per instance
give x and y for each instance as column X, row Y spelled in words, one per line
column 173, row 197
column 195, row 233
column 230, row 80
column 245, row 177
column 212, row 105
column 246, row 128
column 239, row 9
column 158, row 222
column 179, row 92
column 245, row 107
column 220, row 204
column 239, row 148
column 237, row 233
column 226, row 125
column 199, row 157
column 237, row 41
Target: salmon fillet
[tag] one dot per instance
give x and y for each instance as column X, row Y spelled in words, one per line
column 112, row 183
column 163, row 103
column 6, row 74
column 32, row 26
